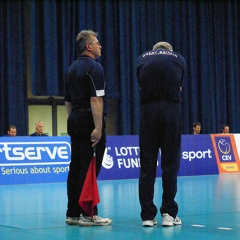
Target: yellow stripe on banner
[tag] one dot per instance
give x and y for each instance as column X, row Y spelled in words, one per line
column 230, row 167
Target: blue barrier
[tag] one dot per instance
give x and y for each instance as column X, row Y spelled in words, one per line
column 41, row 160
column 122, row 160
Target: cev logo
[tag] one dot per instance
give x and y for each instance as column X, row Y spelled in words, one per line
column 14, row 151
column 224, row 146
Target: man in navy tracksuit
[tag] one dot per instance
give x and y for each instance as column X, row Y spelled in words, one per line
column 160, row 75
column 85, row 103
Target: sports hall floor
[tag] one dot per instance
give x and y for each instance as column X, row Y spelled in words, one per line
column 209, row 207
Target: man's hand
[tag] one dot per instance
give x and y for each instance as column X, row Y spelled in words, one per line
column 96, row 136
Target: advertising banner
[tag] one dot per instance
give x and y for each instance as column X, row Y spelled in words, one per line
column 34, row 159
column 198, row 156
column 226, row 147
column 122, row 157
column 46, row 159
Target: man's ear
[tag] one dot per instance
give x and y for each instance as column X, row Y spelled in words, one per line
column 88, row 46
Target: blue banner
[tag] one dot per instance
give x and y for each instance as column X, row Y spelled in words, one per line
column 46, row 159
column 34, row 159
column 122, row 160
column 198, row 157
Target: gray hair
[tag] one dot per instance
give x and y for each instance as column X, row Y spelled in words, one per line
column 36, row 124
column 165, row 45
column 84, row 37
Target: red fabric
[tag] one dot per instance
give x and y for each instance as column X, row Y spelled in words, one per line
column 89, row 196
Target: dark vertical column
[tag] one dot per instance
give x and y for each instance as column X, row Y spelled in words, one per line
column 54, row 116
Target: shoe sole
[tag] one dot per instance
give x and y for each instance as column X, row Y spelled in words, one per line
column 168, row 224
column 71, row 223
column 89, row 224
column 84, row 224
column 177, row 223
column 149, row 224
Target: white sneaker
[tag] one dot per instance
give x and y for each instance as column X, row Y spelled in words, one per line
column 167, row 220
column 72, row 221
column 95, row 221
column 149, row 223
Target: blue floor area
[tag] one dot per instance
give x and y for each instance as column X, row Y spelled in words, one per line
column 209, row 207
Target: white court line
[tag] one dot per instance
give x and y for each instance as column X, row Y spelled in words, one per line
column 200, row 226
column 219, row 228
column 223, row 228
